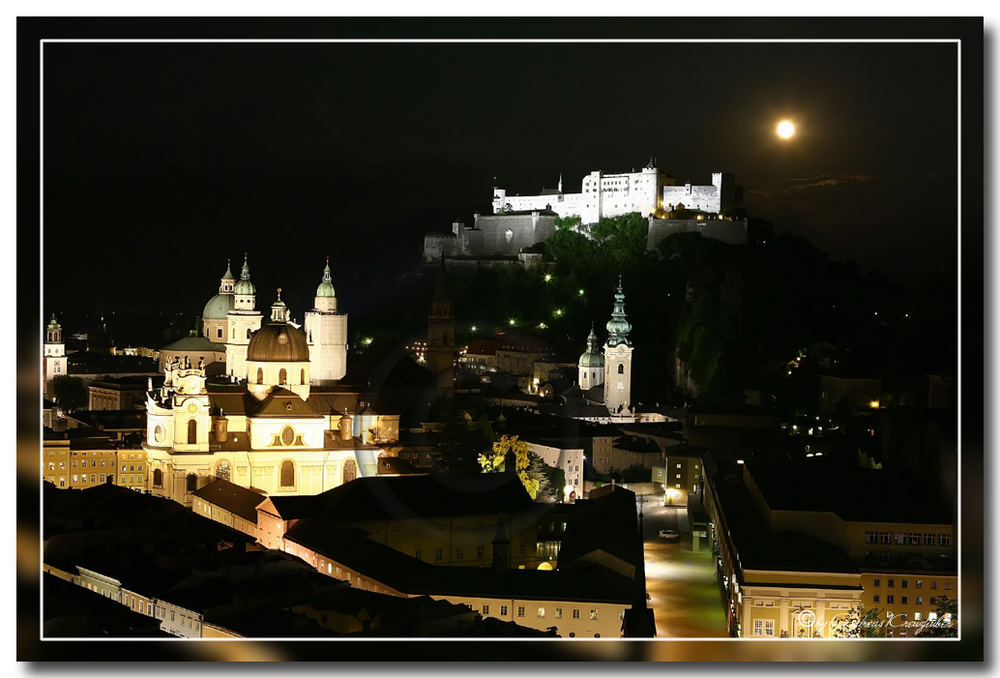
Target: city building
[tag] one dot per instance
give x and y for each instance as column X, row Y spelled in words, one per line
column 326, row 332
column 439, row 354
column 54, row 356
column 120, row 393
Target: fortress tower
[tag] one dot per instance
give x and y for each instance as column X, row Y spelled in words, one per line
column 618, row 358
column 326, row 330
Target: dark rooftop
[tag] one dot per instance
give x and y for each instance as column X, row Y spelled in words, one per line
column 231, row 497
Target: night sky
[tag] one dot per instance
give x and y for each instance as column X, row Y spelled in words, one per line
column 163, row 160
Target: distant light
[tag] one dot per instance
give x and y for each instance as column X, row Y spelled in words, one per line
column 580, row 291
column 558, row 312
column 548, row 277
column 873, row 404
column 876, row 314
column 474, row 328
column 739, row 461
column 512, row 322
column 542, row 326
column 819, row 454
column 366, row 341
column 809, row 455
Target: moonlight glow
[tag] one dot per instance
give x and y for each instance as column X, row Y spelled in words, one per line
column 786, row 129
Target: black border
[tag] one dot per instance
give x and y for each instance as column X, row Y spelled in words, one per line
column 968, row 29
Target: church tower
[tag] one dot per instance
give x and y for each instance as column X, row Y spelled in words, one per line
column 216, row 312
column 618, row 358
column 326, row 330
column 243, row 320
column 440, row 353
column 54, row 352
column 591, row 364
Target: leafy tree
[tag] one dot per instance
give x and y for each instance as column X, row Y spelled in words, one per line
column 495, row 459
column 859, row 623
column 946, row 608
column 70, row 393
column 566, row 223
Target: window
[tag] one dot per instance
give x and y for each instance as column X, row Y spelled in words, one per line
column 486, row 610
column 621, row 368
column 892, row 583
column 890, row 599
column 678, row 465
column 287, row 435
column 919, row 584
column 418, row 554
column 503, row 610
column 287, row 473
column 192, row 432
column 521, row 549
column 576, row 613
column 192, row 482
column 218, row 333
column 520, row 610
column 905, row 600
column 920, row 600
column 948, row 586
column 302, row 376
column 944, row 540
column 906, row 583
column 282, row 376
column 260, row 373
column 593, row 615
column 558, row 613
column 934, row 586
column 438, row 555
column 350, row 470
column 541, row 612
column 875, row 598
column 459, row 553
column 157, row 478
column 917, row 616
column 480, row 552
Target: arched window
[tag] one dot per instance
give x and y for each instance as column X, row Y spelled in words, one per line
column 350, row 470
column 302, row 376
column 192, row 432
column 287, row 473
column 222, row 471
column 192, row 482
column 260, row 375
column 282, row 376
column 248, row 333
column 157, row 478
column 621, row 368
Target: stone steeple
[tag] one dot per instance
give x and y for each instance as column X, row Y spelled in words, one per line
column 618, row 327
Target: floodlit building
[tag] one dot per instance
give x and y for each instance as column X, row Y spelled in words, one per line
column 54, row 352
column 648, row 192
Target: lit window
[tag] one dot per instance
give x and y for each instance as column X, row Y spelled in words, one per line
column 576, row 613
column 541, row 612
column 503, row 610
column 593, row 615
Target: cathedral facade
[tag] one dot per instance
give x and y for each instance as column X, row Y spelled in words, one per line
column 279, row 422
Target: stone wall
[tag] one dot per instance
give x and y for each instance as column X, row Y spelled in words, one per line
column 731, row 232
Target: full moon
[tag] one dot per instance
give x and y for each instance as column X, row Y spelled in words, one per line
column 786, row 129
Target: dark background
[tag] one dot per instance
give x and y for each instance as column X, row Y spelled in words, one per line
column 162, row 160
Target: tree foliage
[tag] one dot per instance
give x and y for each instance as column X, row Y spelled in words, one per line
column 525, row 464
column 461, row 439
column 70, row 393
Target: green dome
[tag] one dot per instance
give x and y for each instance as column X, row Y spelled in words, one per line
column 325, row 288
column 244, row 286
column 218, row 307
column 593, row 356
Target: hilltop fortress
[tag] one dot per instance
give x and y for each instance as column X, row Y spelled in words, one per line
column 649, row 192
column 519, row 223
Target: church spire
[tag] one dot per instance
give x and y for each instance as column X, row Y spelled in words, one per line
column 325, row 288
column 244, row 287
column 279, row 311
column 618, row 327
column 227, row 281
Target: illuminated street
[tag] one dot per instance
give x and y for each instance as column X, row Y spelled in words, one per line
column 684, row 594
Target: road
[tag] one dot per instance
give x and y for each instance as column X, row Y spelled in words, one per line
column 684, row 593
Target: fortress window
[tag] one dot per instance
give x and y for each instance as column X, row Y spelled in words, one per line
column 287, row 473
column 192, row 432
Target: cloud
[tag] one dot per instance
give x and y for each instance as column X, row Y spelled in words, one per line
column 790, row 186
